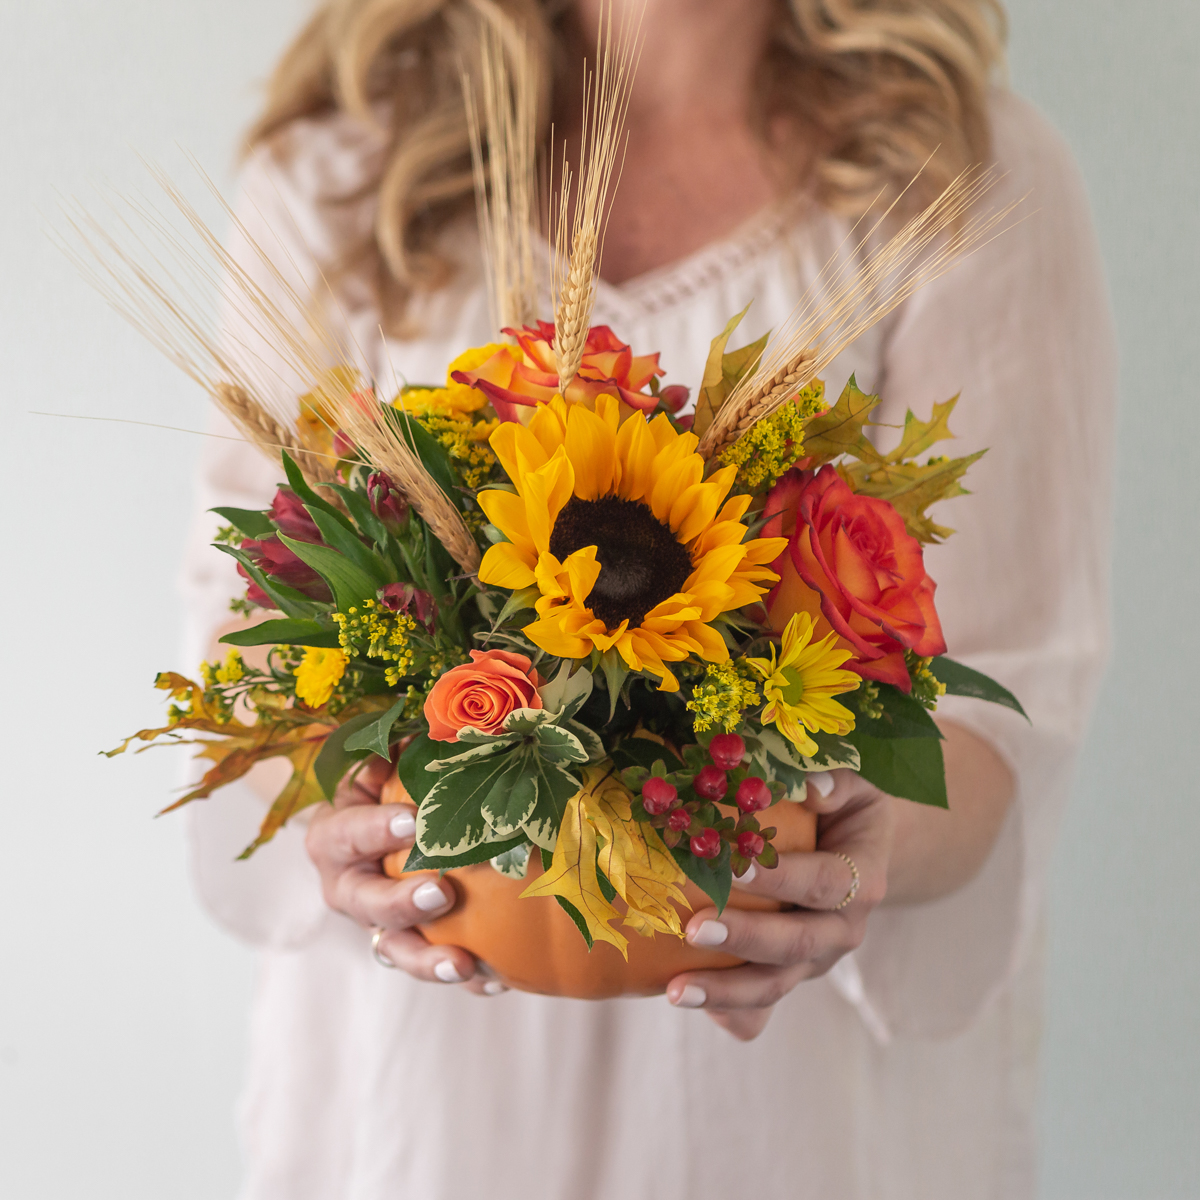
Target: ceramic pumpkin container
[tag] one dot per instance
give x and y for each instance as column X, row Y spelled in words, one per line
column 532, row 945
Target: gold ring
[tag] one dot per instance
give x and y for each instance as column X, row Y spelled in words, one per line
column 854, row 884
column 378, row 954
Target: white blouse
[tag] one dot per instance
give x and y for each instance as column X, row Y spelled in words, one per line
column 908, row 1072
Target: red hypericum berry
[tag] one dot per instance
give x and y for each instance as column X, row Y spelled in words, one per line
column 750, row 844
column 658, row 796
column 727, row 750
column 711, row 783
column 679, row 820
column 706, row 844
column 753, row 795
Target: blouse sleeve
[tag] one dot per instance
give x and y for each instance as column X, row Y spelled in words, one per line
column 1022, row 329
column 274, row 897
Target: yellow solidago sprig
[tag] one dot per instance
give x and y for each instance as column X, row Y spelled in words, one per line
column 927, row 689
column 801, row 684
column 318, row 674
column 373, row 632
column 726, row 692
column 772, row 445
column 454, row 416
column 216, row 678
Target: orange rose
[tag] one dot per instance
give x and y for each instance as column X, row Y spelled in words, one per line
column 481, row 694
column 851, row 559
column 525, row 374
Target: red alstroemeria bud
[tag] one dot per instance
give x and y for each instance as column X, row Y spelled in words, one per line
column 750, row 844
column 753, row 795
column 711, row 783
column 404, row 598
column 674, row 397
column 273, row 558
column 706, row 844
column 290, row 515
column 727, row 750
column 343, row 447
column 387, row 503
column 658, row 796
column 679, row 820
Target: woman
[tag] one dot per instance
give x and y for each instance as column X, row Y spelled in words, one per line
column 897, row 1059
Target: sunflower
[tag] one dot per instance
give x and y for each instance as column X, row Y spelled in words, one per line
column 625, row 541
column 800, row 687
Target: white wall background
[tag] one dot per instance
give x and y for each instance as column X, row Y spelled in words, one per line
column 122, row 1009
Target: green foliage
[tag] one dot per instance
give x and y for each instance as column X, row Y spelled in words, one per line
column 963, row 681
column 289, row 632
column 247, row 521
column 908, row 767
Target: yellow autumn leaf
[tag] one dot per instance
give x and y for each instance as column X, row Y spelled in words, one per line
column 572, row 874
column 839, row 430
column 722, row 372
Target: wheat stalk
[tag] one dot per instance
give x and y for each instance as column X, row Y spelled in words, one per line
column 578, row 219
column 504, row 158
column 843, row 303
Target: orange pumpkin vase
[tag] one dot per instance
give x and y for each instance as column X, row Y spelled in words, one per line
column 532, row 945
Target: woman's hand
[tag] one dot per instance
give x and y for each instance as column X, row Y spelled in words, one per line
column 855, row 819
column 347, row 841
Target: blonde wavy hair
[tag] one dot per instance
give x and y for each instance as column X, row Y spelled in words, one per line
column 877, row 86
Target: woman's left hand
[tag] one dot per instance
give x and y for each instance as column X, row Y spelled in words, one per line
column 783, row 948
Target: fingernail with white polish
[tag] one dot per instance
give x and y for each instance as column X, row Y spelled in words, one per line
column 710, row 933
column 429, row 897
column 823, row 781
column 493, row 987
column 751, row 871
column 447, row 972
column 692, row 996
column 403, row 825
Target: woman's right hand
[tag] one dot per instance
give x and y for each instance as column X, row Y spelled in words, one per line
column 347, row 842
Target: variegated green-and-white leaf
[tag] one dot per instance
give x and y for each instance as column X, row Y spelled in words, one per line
column 450, row 819
column 513, row 797
column 475, row 754
column 560, row 745
column 523, row 721
column 556, row 786
column 566, row 693
column 592, row 742
column 514, row 863
column 834, row 753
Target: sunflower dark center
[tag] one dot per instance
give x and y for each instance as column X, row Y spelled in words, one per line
column 641, row 563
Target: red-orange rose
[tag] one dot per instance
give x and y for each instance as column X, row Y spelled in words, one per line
column 481, row 693
column 853, row 556
column 526, row 374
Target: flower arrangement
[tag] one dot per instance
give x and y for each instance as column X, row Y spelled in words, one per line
column 601, row 636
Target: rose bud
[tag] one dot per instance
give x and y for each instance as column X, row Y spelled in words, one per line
column 753, row 795
column 727, row 750
column 750, row 844
column 658, row 796
column 388, row 504
column 711, row 783
column 706, row 844
column 673, row 398
column 679, row 820
column 404, row 598
column 291, row 517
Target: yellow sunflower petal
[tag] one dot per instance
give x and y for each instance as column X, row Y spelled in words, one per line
column 507, row 512
column 545, row 492
column 591, row 446
column 636, row 449
column 672, row 482
column 504, row 566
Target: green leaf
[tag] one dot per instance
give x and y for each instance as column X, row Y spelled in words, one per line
column 963, row 681
column 713, row 876
column 521, row 599
column 903, row 717
column 307, row 496
column 567, row 692
column 350, row 584
column 351, row 545
column 375, row 735
column 420, row 752
column 559, row 745
column 248, row 522
column 450, row 819
column 556, row 787
column 642, row 752
column 615, row 674
column 591, row 741
column 513, row 796
column 435, row 458
column 455, row 758
column 606, row 889
column 907, row 767
column 337, row 757
column 575, row 916
column 359, row 508
column 419, row 861
column 291, row 632
column 286, row 599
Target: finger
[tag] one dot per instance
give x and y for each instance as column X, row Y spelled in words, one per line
column 815, row 880
column 484, row 982
column 744, row 1023
column 778, row 939
column 364, row 784
column 362, row 833
column 828, row 791
column 407, row 950
column 736, row 988
column 372, row 899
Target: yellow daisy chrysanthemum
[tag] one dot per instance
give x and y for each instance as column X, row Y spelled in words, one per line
column 319, row 673
column 800, row 686
column 627, row 543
